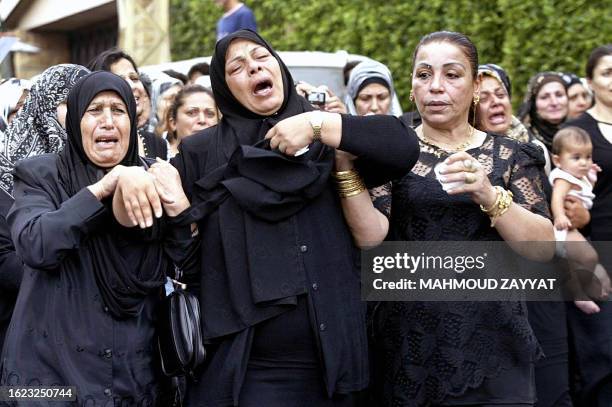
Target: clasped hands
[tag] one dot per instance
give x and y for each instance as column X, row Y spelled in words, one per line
column 140, row 194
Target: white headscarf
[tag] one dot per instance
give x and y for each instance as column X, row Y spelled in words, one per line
column 365, row 70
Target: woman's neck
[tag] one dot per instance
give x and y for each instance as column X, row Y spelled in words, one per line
column 601, row 112
column 448, row 137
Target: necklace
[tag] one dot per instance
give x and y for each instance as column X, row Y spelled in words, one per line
column 438, row 150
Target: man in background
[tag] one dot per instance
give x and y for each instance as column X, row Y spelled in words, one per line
column 236, row 17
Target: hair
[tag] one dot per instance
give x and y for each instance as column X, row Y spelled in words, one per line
column 202, row 68
column 461, row 41
column 109, row 57
column 569, row 136
column 594, row 58
column 177, row 75
column 348, row 68
column 179, row 100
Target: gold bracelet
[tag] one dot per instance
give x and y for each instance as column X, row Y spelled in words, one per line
column 346, row 175
column 499, row 191
column 348, row 183
column 503, row 206
column 352, row 193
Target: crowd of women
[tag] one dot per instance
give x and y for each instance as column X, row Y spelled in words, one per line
column 262, row 209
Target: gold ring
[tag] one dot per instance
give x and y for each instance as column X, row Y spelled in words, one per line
column 470, row 165
column 470, row 178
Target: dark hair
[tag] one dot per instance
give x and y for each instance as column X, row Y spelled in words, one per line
column 348, row 68
column 461, row 41
column 202, row 68
column 594, row 58
column 179, row 100
column 570, row 135
column 109, row 57
column 176, row 75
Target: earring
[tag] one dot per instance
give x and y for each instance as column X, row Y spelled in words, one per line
column 411, row 97
column 476, row 99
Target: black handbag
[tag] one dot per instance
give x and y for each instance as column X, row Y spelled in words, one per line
column 180, row 341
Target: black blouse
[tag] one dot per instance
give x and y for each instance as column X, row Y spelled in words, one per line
column 61, row 332
column 323, row 248
column 154, row 146
column 600, row 227
column 11, row 270
column 431, row 350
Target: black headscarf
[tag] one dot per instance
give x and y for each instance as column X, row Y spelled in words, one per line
column 538, row 127
column 256, row 192
column 123, row 283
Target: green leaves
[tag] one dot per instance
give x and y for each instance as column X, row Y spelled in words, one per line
column 523, row 37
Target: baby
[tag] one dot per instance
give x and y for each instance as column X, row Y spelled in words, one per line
column 575, row 175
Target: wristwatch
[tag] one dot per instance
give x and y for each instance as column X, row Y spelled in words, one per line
column 316, row 122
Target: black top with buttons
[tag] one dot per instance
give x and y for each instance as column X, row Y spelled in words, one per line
column 61, row 332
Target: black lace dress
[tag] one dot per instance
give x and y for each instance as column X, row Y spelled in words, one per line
column 456, row 353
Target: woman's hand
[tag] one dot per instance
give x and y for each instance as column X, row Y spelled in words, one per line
column 136, row 198
column 106, row 186
column 578, row 215
column 334, row 104
column 462, row 167
column 294, row 133
column 168, row 185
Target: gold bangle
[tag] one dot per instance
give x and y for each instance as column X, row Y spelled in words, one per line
column 348, row 183
column 346, row 175
column 499, row 191
column 502, row 207
column 353, row 193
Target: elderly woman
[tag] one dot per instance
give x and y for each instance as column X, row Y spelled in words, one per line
column 592, row 334
column 85, row 312
column 193, row 109
column 370, row 90
column 118, row 62
column 280, row 292
column 448, row 353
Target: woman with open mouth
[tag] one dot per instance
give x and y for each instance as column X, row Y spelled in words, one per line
column 279, row 287
column 85, row 312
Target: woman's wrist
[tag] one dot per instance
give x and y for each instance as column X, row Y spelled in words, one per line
column 96, row 190
column 489, row 197
column 177, row 207
column 331, row 129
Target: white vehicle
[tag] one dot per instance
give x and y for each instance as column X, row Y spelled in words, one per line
column 313, row 67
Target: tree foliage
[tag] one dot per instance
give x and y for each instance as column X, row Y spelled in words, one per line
column 523, row 37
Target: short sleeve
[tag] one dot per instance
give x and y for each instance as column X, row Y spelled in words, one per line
column 527, row 179
column 381, row 198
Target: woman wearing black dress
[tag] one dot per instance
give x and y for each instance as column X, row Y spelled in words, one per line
column 449, row 353
column 592, row 334
column 84, row 315
column 280, row 290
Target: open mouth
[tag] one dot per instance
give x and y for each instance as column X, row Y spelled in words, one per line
column 263, row 87
column 497, row 118
column 106, row 141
